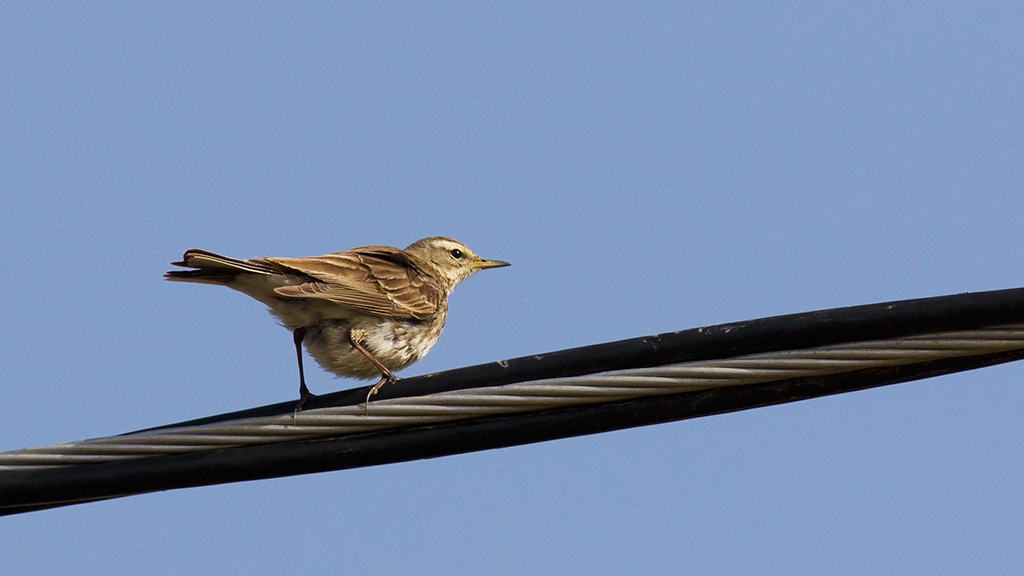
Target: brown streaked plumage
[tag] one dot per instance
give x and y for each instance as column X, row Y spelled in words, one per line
column 362, row 313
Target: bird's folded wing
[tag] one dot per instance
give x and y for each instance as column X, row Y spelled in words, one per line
column 378, row 280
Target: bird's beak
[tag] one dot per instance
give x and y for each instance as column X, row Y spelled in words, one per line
column 484, row 264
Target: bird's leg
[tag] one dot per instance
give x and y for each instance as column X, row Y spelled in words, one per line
column 304, row 393
column 354, row 336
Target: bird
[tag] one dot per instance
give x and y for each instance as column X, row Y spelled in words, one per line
column 361, row 313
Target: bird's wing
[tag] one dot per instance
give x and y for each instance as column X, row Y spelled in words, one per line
column 378, row 280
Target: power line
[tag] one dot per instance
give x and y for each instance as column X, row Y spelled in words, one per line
column 569, row 393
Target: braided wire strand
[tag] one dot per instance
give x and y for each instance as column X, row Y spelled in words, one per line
column 522, row 397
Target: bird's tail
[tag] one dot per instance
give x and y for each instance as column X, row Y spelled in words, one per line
column 213, row 268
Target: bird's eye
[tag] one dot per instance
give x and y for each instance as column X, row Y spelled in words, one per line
column 456, row 253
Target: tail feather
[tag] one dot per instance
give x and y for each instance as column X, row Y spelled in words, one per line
column 213, row 268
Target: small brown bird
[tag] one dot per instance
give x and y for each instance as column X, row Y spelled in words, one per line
column 362, row 313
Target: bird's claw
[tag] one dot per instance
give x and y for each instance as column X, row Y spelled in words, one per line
column 376, row 387
column 303, row 396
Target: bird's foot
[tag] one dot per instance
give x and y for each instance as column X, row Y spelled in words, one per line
column 304, row 394
column 385, row 379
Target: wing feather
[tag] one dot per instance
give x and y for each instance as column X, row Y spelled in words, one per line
column 378, row 280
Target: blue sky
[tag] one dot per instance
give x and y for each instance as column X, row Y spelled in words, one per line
column 645, row 168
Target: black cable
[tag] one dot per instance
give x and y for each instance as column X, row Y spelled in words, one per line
column 22, row 491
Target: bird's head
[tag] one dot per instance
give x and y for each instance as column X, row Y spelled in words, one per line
column 451, row 260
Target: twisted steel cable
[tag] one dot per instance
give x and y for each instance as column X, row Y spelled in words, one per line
column 523, row 397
